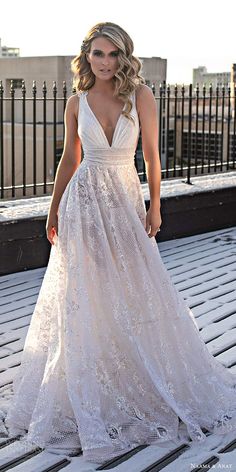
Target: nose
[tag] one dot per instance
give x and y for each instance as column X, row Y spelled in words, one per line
column 105, row 61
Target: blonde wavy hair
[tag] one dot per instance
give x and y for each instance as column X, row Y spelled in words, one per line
column 127, row 77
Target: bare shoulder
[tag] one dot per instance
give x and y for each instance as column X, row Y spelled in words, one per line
column 143, row 91
column 72, row 104
column 144, row 97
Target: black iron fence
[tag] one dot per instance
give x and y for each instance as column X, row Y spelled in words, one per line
column 197, row 135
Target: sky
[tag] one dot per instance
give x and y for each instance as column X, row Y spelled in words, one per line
column 188, row 34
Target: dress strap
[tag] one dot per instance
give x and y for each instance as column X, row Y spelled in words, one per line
column 80, row 93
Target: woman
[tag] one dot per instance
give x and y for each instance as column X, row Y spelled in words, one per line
column 113, row 357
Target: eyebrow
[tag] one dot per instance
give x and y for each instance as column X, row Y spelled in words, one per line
column 116, row 50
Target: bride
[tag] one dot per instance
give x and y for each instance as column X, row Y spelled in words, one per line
column 113, row 357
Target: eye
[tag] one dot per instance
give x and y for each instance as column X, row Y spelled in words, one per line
column 98, row 53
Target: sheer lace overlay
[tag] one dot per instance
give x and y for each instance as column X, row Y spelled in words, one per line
column 113, row 357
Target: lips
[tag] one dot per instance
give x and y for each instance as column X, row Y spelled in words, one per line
column 105, row 70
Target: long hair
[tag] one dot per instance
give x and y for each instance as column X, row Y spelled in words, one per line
column 127, row 77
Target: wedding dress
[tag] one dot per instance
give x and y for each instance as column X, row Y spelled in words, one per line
column 113, row 357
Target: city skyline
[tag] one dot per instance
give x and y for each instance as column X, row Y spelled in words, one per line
column 186, row 39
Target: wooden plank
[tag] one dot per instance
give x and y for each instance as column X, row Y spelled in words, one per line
column 15, row 324
column 15, row 304
column 21, row 276
column 16, row 297
column 10, row 361
column 13, row 451
column 198, row 454
column 221, row 321
column 170, row 244
column 21, row 288
column 15, row 346
column 16, row 314
column 45, row 461
column 223, row 342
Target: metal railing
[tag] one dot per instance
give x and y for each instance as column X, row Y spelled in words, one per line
column 197, row 135
column 197, row 130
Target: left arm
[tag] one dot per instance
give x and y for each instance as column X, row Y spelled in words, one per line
column 146, row 107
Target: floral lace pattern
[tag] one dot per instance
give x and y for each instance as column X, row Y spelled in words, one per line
column 113, row 357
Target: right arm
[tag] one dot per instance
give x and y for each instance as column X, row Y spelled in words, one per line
column 70, row 160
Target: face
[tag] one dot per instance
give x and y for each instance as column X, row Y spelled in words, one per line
column 103, row 58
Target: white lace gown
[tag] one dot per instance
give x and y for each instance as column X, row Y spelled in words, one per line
column 113, row 357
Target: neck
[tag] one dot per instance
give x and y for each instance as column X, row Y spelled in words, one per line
column 105, row 87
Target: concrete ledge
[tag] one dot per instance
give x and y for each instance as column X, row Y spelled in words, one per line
column 23, row 245
column 197, row 213
column 207, row 205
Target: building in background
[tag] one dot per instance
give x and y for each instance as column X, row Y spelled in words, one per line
column 39, row 69
column 154, row 70
column 201, row 76
column 212, row 120
column 7, row 51
column 233, row 74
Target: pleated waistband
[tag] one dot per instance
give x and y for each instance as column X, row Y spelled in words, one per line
column 109, row 156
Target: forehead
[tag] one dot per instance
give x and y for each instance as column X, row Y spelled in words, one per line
column 104, row 44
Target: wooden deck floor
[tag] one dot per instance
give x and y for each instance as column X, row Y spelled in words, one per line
column 203, row 268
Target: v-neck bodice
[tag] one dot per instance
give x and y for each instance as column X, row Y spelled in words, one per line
column 94, row 140
column 99, row 124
